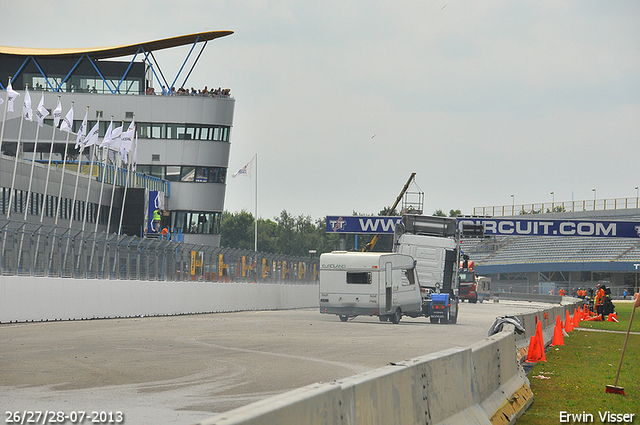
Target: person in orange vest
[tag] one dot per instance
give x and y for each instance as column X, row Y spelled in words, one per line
column 561, row 292
column 599, row 302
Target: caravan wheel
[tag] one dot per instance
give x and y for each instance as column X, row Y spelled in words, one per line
column 396, row 316
column 344, row 317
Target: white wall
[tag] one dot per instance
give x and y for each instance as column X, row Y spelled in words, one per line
column 39, row 298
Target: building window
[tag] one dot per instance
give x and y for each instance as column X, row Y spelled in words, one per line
column 185, row 173
column 188, row 174
column 172, row 173
column 196, row 222
column 182, row 131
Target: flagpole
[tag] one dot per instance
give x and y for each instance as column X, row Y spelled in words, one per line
column 80, row 136
column 256, row 206
column 53, row 137
column 124, row 199
column 107, row 136
column 33, row 162
column 35, row 150
column 126, row 185
column 92, row 154
column 104, row 174
column 4, row 117
column 64, row 166
column 115, row 175
column 15, row 163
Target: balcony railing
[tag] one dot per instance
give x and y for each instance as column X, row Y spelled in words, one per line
column 564, row 206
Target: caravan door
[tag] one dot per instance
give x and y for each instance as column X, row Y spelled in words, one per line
column 388, row 286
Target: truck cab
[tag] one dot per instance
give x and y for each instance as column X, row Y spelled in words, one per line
column 434, row 243
column 468, row 284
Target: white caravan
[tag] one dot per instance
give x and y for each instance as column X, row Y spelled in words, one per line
column 369, row 283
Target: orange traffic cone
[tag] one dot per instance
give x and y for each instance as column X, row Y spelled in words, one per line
column 568, row 326
column 597, row 318
column 557, row 333
column 533, row 355
column 613, row 317
column 540, row 342
column 536, row 346
column 576, row 318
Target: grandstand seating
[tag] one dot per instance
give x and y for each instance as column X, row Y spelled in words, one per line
column 550, row 249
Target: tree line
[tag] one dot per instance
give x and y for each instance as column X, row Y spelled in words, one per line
column 296, row 235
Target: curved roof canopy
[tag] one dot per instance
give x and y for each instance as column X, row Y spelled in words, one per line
column 115, row 51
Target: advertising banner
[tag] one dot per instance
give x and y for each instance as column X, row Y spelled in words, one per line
column 541, row 227
column 497, row 226
column 361, row 224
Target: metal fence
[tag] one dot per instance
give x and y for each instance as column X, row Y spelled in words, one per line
column 564, row 206
column 38, row 250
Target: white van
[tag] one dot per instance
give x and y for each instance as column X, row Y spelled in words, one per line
column 370, row 284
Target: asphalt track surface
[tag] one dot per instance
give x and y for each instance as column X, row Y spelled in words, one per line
column 182, row 369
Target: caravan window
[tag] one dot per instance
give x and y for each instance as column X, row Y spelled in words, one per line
column 363, row 278
column 408, row 277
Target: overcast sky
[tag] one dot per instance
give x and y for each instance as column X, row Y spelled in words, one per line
column 342, row 100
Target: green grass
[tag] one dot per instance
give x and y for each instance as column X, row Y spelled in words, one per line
column 579, row 371
column 624, row 313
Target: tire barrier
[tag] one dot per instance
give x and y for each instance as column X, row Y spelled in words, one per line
column 483, row 384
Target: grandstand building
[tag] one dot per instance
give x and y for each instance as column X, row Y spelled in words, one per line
column 540, row 264
column 183, row 138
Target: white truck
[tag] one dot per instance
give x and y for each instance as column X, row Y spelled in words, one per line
column 434, row 243
column 370, row 284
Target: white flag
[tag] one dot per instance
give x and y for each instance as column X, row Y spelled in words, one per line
column 82, row 132
column 244, row 171
column 116, row 136
column 106, row 141
column 41, row 112
column 126, row 140
column 26, row 107
column 92, row 136
column 67, row 122
column 57, row 114
column 11, row 96
column 135, row 154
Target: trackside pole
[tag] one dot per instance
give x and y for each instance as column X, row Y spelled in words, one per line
column 615, row 389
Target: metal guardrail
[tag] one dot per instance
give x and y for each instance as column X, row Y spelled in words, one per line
column 554, row 207
column 46, row 251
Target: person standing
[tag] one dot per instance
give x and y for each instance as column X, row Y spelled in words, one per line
column 156, row 220
column 599, row 302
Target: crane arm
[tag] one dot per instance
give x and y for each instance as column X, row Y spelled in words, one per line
column 368, row 247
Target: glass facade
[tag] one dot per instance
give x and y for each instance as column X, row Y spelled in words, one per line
column 196, row 222
column 185, row 173
column 146, row 130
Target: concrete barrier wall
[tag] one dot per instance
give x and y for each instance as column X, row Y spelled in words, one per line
column 39, row 299
column 483, row 384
